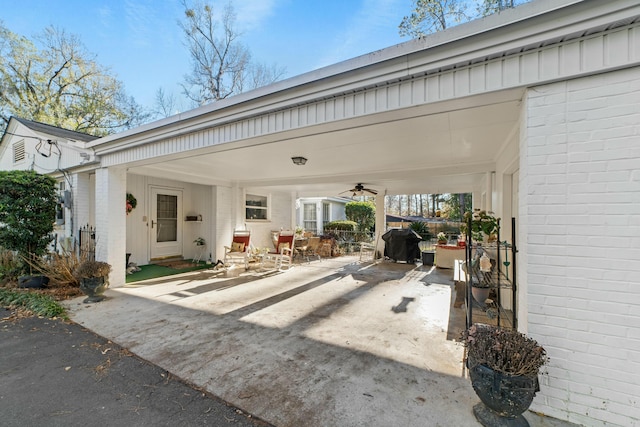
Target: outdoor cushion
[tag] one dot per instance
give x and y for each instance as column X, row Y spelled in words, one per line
column 237, row 247
column 282, row 246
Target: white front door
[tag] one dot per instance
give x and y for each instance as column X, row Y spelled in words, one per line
column 166, row 224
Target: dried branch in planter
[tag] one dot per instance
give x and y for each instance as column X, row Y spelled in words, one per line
column 58, row 267
column 90, row 268
column 503, row 350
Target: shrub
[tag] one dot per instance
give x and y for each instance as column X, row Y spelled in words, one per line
column 341, row 225
column 422, row 229
column 362, row 213
column 27, row 212
column 11, row 266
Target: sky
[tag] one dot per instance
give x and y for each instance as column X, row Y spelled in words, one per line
column 141, row 43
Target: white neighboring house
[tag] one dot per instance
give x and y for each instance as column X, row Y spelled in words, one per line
column 63, row 154
column 312, row 213
column 535, row 111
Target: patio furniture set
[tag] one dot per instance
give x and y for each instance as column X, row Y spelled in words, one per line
column 287, row 247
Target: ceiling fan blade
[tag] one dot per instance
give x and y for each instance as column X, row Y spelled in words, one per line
column 359, row 189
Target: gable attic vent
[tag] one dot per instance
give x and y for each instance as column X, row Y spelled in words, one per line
column 18, row 151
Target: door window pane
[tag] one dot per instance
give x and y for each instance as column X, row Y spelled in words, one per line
column 167, row 218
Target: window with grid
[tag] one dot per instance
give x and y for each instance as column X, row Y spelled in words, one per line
column 256, row 207
column 326, row 214
column 310, row 222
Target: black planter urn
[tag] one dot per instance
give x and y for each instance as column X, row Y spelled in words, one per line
column 504, row 397
column 94, row 288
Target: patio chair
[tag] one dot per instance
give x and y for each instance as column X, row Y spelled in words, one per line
column 369, row 250
column 311, row 248
column 283, row 253
column 239, row 251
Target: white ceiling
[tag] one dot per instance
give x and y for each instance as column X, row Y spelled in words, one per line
column 435, row 149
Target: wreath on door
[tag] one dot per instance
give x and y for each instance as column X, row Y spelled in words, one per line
column 131, row 203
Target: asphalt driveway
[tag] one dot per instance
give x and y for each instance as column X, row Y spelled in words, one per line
column 55, row 373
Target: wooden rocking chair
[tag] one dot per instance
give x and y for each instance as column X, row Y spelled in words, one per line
column 282, row 255
column 239, row 251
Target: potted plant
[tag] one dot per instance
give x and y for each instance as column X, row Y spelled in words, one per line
column 93, row 277
column 200, row 241
column 480, row 272
column 503, row 366
column 442, row 238
column 483, row 224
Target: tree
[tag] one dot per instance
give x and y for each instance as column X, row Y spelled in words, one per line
column 363, row 213
column 221, row 65
column 453, row 209
column 488, row 7
column 59, row 83
column 430, row 16
column 165, row 104
column 27, row 211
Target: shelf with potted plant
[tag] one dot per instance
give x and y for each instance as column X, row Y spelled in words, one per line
column 201, row 244
column 486, row 269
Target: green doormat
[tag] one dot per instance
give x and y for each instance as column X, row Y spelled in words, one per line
column 152, row 271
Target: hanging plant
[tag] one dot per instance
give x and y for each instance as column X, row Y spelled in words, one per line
column 131, row 203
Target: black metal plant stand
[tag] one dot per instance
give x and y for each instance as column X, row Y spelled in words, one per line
column 498, row 278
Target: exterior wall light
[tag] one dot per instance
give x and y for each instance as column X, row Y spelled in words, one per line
column 298, row 160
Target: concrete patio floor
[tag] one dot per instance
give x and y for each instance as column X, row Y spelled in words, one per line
column 334, row 342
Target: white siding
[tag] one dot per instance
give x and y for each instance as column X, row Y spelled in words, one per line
column 582, row 252
column 281, row 218
column 196, row 200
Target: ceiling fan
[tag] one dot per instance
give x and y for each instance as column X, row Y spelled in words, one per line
column 359, row 190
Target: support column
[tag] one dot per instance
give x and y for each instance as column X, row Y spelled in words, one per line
column 81, row 201
column 380, row 221
column 111, row 224
column 489, row 191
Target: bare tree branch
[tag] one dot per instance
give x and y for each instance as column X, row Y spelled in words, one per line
column 221, row 64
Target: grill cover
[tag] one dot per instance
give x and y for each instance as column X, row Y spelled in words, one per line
column 402, row 245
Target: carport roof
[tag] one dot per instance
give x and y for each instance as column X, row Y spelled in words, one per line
column 446, row 143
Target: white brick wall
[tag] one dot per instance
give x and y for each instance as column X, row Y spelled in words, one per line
column 580, row 190
column 111, row 221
